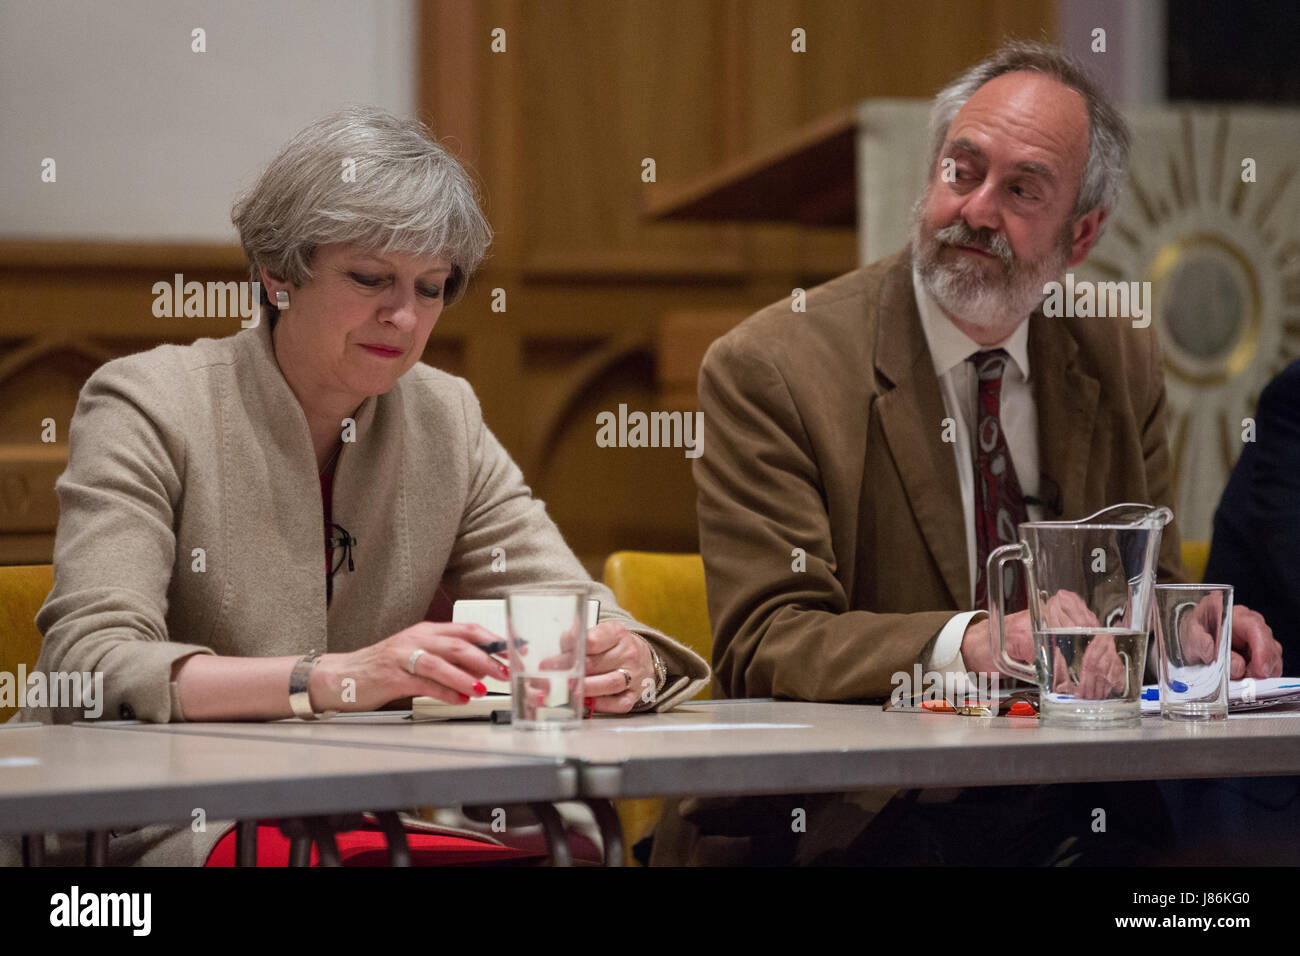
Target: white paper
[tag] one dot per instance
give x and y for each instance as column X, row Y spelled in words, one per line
column 662, row 727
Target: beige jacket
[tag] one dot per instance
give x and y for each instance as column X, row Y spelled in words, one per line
column 191, row 521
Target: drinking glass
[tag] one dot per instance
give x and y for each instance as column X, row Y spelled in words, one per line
column 547, row 634
column 1194, row 637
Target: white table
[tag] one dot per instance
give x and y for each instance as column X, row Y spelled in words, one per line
column 65, row 778
column 718, row 748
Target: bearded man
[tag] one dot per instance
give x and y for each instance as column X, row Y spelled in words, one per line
column 864, row 457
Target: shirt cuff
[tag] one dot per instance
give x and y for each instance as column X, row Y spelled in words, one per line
column 943, row 654
column 178, row 712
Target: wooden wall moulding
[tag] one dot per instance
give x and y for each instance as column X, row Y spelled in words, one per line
column 27, row 476
column 557, row 127
column 558, row 105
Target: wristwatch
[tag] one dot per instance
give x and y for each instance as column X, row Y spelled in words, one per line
column 299, row 689
column 661, row 672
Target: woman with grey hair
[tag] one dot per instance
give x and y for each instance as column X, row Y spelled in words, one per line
column 203, row 482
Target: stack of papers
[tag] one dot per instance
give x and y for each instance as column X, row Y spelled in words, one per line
column 1249, row 694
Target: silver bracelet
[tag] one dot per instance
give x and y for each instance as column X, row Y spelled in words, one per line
column 300, row 689
column 661, row 671
column 661, row 679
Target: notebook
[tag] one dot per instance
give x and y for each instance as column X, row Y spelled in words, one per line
column 490, row 614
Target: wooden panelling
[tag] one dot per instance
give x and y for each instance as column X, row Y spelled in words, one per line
column 682, row 340
column 585, row 90
column 604, row 90
column 555, row 128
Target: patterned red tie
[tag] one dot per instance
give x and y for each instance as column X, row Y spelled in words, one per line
column 999, row 503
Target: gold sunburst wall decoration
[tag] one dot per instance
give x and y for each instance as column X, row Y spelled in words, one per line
column 1222, row 254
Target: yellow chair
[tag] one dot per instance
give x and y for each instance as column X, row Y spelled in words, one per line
column 1195, row 556
column 23, row 589
column 665, row 591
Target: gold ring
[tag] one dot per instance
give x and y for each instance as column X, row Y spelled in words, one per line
column 627, row 677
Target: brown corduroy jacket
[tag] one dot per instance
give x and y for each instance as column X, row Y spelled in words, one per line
column 830, row 514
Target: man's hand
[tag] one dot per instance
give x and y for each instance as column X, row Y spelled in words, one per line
column 1255, row 653
column 1062, row 609
column 1199, row 628
column 1103, row 673
column 977, row 643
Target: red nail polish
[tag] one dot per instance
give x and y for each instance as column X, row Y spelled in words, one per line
column 463, row 698
column 479, row 689
column 588, row 706
column 505, row 669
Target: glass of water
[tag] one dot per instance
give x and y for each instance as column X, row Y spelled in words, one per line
column 1194, row 637
column 546, row 630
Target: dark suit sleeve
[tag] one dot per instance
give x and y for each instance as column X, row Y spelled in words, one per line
column 1273, row 507
column 1155, row 457
column 781, row 619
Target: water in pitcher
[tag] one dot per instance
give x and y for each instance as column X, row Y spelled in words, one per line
column 1090, row 676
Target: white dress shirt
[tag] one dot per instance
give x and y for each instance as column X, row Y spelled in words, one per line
column 950, row 348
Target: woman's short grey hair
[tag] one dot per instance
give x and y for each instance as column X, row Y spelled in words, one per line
column 1108, row 135
column 362, row 176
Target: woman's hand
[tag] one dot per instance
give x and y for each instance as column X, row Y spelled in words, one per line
column 450, row 669
column 620, row 670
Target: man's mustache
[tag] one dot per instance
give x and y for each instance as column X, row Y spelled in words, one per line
column 961, row 234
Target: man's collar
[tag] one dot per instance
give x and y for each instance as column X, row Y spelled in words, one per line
column 950, row 346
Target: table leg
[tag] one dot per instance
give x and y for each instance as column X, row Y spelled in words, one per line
column 611, row 830
column 304, row 831
column 322, row 832
column 97, row 848
column 557, row 840
column 33, row 849
column 246, row 843
column 399, row 852
column 299, row 841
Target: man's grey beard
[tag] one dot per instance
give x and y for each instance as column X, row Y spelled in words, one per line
column 963, row 287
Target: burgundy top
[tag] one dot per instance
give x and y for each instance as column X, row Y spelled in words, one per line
column 327, row 497
column 439, row 608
